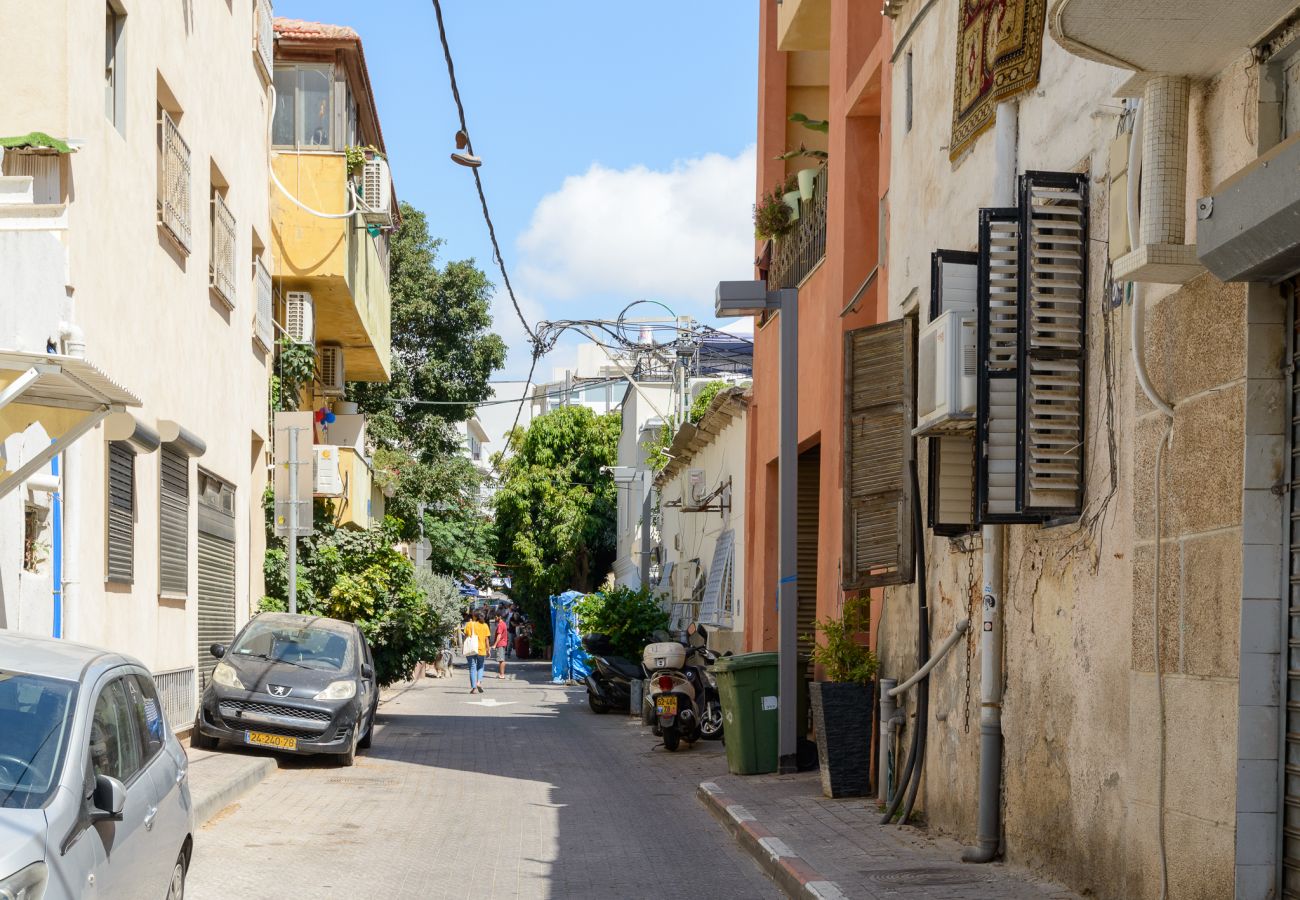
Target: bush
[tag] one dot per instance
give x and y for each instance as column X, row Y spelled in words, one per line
column 771, row 215
column 840, row 655
column 629, row 617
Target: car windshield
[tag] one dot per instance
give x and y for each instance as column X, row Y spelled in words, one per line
column 35, row 717
column 309, row 646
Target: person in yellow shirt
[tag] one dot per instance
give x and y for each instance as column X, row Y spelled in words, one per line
column 476, row 629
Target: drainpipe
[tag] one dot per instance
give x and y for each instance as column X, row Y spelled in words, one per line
column 74, row 344
column 989, row 832
column 890, row 720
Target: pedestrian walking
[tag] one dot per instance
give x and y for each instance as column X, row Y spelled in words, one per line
column 501, row 638
column 512, row 623
column 475, row 649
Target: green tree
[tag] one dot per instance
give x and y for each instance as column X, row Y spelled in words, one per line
column 556, row 508
column 628, row 616
column 443, row 351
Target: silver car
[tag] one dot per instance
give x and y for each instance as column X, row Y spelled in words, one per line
column 94, row 799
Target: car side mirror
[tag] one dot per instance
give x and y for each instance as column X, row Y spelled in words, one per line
column 217, row 650
column 367, row 671
column 108, row 799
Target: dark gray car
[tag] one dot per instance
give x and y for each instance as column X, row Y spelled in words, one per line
column 301, row 684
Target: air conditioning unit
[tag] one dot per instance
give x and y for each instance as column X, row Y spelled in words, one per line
column 331, row 370
column 698, row 488
column 326, row 479
column 376, row 192
column 946, row 381
column 300, row 316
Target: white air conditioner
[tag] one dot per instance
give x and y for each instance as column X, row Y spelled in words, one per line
column 331, row 370
column 376, row 192
column 300, row 317
column 946, row 385
column 326, row 479
column 695, row 482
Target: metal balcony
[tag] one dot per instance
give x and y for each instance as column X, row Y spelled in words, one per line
column 798, row 252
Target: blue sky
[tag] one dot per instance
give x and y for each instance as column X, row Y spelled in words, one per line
column 617, row 141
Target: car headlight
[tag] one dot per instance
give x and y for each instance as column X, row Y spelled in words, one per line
column 226, row 676
column 339, row 690
column 26, row 884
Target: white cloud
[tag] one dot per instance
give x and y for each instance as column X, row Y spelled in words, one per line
column 643, row 233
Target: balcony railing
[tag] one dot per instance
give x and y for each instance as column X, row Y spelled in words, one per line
column 799, row 251
column 221, row 267
column 174, row 184
column 264, row 326
column 264, row 42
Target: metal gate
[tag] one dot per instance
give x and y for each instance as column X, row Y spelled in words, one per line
column 216, row 592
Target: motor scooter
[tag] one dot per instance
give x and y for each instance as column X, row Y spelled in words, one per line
column 699, row 667
column 609, row 686
column 670, row 697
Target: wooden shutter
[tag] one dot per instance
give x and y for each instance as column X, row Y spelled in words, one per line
column 174, row 523
column 1053, row 291
column 120, row 543
column 950, row 466
column 878, row 418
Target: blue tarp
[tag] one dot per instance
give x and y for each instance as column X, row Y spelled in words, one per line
column 568, row 661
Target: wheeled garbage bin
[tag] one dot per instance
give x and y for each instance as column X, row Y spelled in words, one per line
column 747, row 686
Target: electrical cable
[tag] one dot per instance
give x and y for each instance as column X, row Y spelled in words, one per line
column 1160, row 681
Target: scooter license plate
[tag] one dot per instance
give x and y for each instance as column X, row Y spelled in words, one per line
column 666, row 706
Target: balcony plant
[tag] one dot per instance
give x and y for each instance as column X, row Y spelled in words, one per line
column 355, row 156
column 808, row 177
column 791, row 197
column 842, row 704
column 771, row 215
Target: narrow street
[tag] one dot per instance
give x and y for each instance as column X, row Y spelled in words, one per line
column 517, row 792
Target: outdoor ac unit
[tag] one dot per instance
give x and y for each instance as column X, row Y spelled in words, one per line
column 698, row 488
column 326, row 478
column 331, row 370
column 946, row 375
column 376, row 192
column 300, row 317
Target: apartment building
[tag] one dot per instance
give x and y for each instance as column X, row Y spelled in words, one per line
column 134, row 326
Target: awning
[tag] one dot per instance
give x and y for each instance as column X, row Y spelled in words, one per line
column 66, row 395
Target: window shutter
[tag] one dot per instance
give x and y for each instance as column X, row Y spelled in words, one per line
column 950, row 467
column 997, row 420
column 878, row 418
column 1053, row 258
column 716, row 604
column 174, row 523
column 120, row 545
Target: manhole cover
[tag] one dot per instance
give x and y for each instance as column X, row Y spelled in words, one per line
column 927, row 877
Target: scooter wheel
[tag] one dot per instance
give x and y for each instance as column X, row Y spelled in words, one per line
column 672, row 740
column 596, row 706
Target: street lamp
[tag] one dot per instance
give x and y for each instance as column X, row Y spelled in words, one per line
column 752, row 298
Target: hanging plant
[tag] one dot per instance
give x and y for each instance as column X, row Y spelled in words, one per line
column 296, row 368
column 772, row 217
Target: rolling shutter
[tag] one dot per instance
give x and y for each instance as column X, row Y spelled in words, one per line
column 807, row 544
column 120, row 544
column 878, row 418
column 216, row 587
column 950, row 467
column 1053, row 259
column 174, row 524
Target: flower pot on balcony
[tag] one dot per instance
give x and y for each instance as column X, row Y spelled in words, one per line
column 791, row 199
column 842, row 713
column 807, row 181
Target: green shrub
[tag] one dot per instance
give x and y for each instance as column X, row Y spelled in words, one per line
column 839, row 653
column 629, row 617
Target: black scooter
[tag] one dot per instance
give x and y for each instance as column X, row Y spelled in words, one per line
column 609, row 686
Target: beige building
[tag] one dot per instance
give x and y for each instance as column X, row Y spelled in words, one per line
column 137, row 236
column 1115, row 756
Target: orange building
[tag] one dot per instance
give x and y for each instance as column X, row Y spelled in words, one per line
column 826, row 61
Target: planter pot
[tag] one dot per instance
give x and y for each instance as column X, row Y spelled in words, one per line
column 792, row 200
column 807, row 179
column 842, row 716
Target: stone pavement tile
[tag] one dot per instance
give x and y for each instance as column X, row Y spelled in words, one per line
column 842, row 842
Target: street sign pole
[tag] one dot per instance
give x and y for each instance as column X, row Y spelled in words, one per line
column 294, row 463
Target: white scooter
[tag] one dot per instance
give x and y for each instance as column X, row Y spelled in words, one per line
column 670, row 698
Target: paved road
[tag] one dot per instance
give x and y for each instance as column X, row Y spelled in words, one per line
column 518, row 792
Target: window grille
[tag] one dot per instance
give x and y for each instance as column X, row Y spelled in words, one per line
column 174, row 183
column 221, row 267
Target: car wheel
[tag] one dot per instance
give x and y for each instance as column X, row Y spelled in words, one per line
column 199, row 740
column 350, row 757
column 364, row 743
column 176, row 888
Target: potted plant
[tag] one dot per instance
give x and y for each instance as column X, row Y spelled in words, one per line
column 771, row 215
column 842, row 704
column 790, row 197
column 807, row 177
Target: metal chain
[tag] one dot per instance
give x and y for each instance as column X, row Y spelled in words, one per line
column 971, row 601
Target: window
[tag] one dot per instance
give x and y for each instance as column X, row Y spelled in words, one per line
column 475, row 448
column 907, row 87
column 174, row 523
column 115, row 744
column 121, row 514
column 304, row 106
column 114, row 75
column 174, row 212
column 36, row 713
column 146, row 712
column 221, row 264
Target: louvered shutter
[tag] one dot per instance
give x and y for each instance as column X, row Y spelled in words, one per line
column 950, row 481
column 1053, row 260
column 174, row 523
column 998, row 345
column 216, row 568
column 120, row 544
column 878, row 418
column 713, row 608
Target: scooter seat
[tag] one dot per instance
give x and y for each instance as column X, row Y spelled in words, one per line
column 625, row 667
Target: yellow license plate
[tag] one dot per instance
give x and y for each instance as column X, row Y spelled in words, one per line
column 278, row 741
column 666, row 706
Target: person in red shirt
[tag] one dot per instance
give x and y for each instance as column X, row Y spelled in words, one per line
column 500, row 638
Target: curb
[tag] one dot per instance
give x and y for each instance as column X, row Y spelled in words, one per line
column 214, row 801
column 790, row 871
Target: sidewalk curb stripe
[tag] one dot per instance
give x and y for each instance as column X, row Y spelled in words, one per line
column 791, row 872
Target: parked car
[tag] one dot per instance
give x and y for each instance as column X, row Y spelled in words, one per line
column 302, row 684
column 94, row 795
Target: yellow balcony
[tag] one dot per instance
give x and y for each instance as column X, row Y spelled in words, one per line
column 344, row 268
column 803, row 25
column 362, row 503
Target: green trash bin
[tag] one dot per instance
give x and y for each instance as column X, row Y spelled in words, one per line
column 747, row 687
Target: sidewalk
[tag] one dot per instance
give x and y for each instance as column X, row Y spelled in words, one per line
column 831, row 849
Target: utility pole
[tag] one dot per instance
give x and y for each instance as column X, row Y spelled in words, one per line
column 294, row 463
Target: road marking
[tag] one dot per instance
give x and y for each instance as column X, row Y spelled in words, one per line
column 488, row 701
